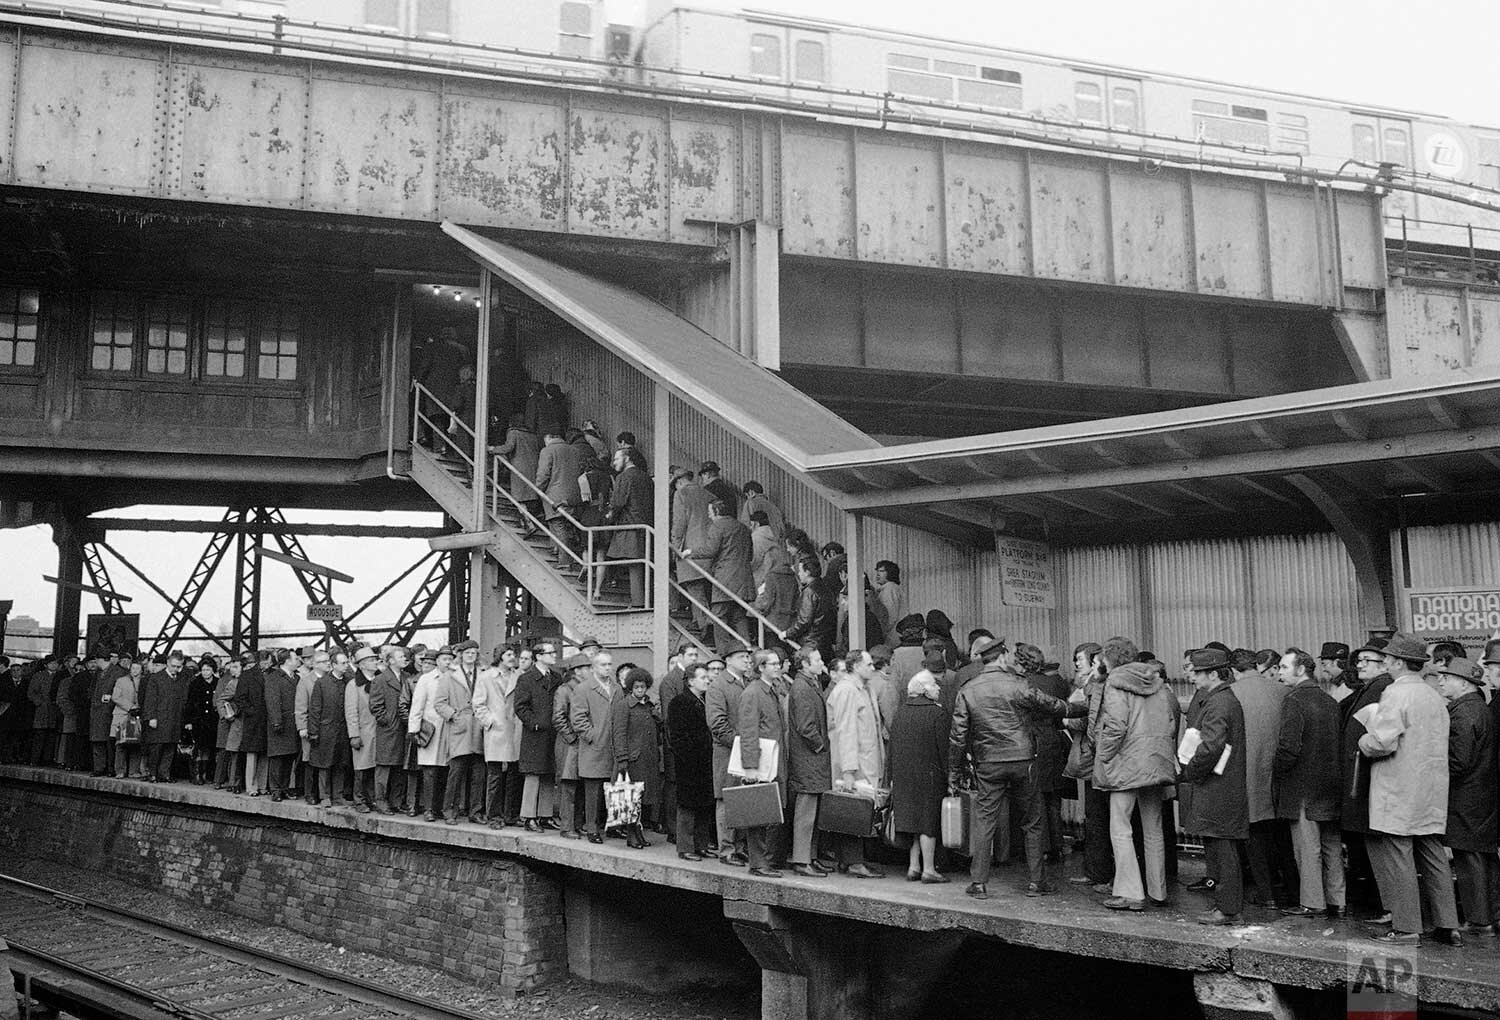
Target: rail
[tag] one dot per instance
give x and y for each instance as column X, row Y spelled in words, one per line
column 763, row 626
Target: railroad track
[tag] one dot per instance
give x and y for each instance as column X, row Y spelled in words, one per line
column 97, row 960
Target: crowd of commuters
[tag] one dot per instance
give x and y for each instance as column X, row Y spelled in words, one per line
column 1364, row 781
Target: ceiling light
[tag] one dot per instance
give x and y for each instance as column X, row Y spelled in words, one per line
column 436, row 289
column 457, row 296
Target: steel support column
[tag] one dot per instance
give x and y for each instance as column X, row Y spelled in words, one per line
column 661, row 577
column 65, row 534
column 247, row 567
column 480, row 519
column 1366, row 537
column 854, row 530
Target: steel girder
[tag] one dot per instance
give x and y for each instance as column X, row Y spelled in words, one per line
column 423, row 601
column 93, row 565
column 317, row 587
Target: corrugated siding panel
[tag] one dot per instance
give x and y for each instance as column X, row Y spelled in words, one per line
column 1302, row 592
column 1101, row 589
column 1460, row 555
column 1197, row 594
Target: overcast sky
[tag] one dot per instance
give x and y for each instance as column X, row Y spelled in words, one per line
column 1436, row 57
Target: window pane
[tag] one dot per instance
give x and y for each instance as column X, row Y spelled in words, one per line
column 113, row 332
column 19, row 313
column 1248, row 112
column 810, row 61
column 383, row 13
column 765, row 55
column 432, row 17
column 276, row 339
column 1000, row 74
column 576, row 19
column 7, row 324
column 912, row 84
column 25, row 353
column 574, row 45
column 949, row 67
column 1204, row 106
column 167, row 336
column 1364, row 142
column 7, row 352
column 1396, row 149
column 1126, row 109
column 907, row 61
column 1087, row 101
column 224, row 337
column 989, row 93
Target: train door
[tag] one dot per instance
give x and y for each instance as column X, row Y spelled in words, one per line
column 808, row 55
column 1380, row 140
column 1108, row 101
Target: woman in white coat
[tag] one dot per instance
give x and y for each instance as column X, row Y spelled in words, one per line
column 432, row 759
column 126, row 700
column 495, row 708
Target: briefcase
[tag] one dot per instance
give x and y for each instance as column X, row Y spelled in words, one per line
column 955, row 818
column 848, row 814
column 747, row 807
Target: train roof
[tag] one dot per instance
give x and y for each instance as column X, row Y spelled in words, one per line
column 1095, row 66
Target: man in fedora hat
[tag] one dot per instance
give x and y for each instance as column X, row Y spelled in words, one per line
column 1473, row 778
column 1407, row 742
column 1333, row 668
column 1218, row 810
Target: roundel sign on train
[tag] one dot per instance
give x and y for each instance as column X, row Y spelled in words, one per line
column 1445, row 154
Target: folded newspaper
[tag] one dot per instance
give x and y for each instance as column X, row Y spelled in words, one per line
column 768, row 756
column 1191, row 741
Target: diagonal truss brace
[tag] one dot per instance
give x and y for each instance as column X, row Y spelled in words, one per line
column 423, row 601
column 93, row 564
column 316, row 587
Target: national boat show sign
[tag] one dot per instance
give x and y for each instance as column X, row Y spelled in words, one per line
column 1469, row 616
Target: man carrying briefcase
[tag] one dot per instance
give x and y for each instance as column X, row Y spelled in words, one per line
column 762, row 715
column 856, row 751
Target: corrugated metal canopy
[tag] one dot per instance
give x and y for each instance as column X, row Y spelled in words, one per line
column 1377, row 438
column 751, row 401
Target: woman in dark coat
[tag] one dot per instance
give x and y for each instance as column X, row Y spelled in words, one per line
column 919, row 774
column 250, row 708
column 636, row 735
column 940, row 627
column 693, row 750
column 202, row 722
column 631, row 502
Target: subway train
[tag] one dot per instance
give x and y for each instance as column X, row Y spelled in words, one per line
column 831, row 68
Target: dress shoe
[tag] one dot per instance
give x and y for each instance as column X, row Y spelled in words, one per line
column 1300, row 912
column 1080, row 880
column 497, row 825
column 934, row 878
column 734, row 860
column 688, row 856
column 429, row 817
column 1384, row 918
column 595, row 838
column 362, row 808
column 1161, row 904
column 1202, row 885
column 817, row 865
column 477, row 818
column 571, row 834
column 710, row 853
column 977, row 890
column 862, row 871
column 1102, row 888
column 1218, row 918
column 277, row 797
column 451, row 820
column 1336, row 913
column 1040, row 888
column 384, row 807
column 1396, row 938
column 1484, row 931
column 412, row 812
column 807, row 871
column 766, row 873
column 549, row 824
column 914, row 875
column 1121, row 903
column 325, row 804
column 1446, row 936
column 532, row 825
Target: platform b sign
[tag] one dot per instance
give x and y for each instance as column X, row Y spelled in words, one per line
column 1025, row 573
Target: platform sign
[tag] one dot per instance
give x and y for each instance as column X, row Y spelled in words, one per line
column 112, row 633
column 1025, row 573
column 325, row 612
column 1470, row 616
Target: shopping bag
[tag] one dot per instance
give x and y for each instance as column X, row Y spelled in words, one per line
column 888, row 834
column 130, row 731
column 622, row 802
column 955, row 818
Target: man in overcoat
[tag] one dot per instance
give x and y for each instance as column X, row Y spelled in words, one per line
column 722, row 708
column 535, row 691
column 1218, row 810
column 1306, row 783
column 359, row 719
column 1367, row 683
column 763, row 716
column 1407, row 742
column 250, row 708
column 808, row 763
column 577, row 670
column 728, row 549
column 1260, row 698
column 163, row 698
column 692, row 749
column 1473, row 789
column 282, row 744
column 690, row 521
column 390, row 701
column 671, row 685
column 455, row 704
column 328, row 733
column 592, row 717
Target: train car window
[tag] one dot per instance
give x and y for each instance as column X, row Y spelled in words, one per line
column 1363, row 137
column 19, row 310
column 765, row 55
column 225, row 339
column 434, row 17
column 1125, row 109
column 906, row 60
column 276, row 342
column 1000, row 74
column 383, row 14
column 1248, row 113
column 911, row 83
column 167, row 321
column 1292, row 133
column 575, row 25
column 1232, row 125
column 113, row 332
column 1397, row 148
column 959, row 70
column 989, row 93
column 1204, row 106
column 1088, row 102
column 1488, row 175
column 810, row 65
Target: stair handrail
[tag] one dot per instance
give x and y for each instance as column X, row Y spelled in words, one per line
column 418, row 417
column 762, row 621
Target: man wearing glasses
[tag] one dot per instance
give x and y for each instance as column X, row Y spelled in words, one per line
column 535, row 690
column 1369, row 683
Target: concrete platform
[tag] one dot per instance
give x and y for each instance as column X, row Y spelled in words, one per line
column 1293, row 953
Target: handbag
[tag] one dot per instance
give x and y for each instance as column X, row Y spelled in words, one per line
column 130, row 731
column 426, row 733
column 888, row 834
column 622, row 802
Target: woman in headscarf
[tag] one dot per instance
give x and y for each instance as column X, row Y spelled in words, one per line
column 637, row 737
column 201, row 719
column 919, row 774
column 940, row 627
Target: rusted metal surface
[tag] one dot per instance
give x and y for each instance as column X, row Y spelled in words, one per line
column 372, row 146
column 1438, row 327
column 237, row 133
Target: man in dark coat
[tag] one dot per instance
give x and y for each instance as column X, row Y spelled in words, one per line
column 163, row 697
column 534, row 691
column 672, row 684
column 1305, row 775
column 718, row 487
column 690, row 521
column 12, row 725
column 328, row 731
column 1369, row 682
column 632, row 501
column 390, row 703
column 100, row 714
column 250, row 708
column 1473, row 781
column 692, row 749
column 809, row 764
column 280, row 742
column 1219, row 811
column 722, row 706
column 728, row 549
column 817, row 612
column 763, row 716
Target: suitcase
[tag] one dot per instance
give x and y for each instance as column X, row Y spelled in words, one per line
column 748, row 807
column 848, row 814
column 955, row 813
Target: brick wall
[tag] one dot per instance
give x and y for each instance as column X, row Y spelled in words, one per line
column 483, row 917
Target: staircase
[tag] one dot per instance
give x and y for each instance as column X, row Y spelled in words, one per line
column 539, row 561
